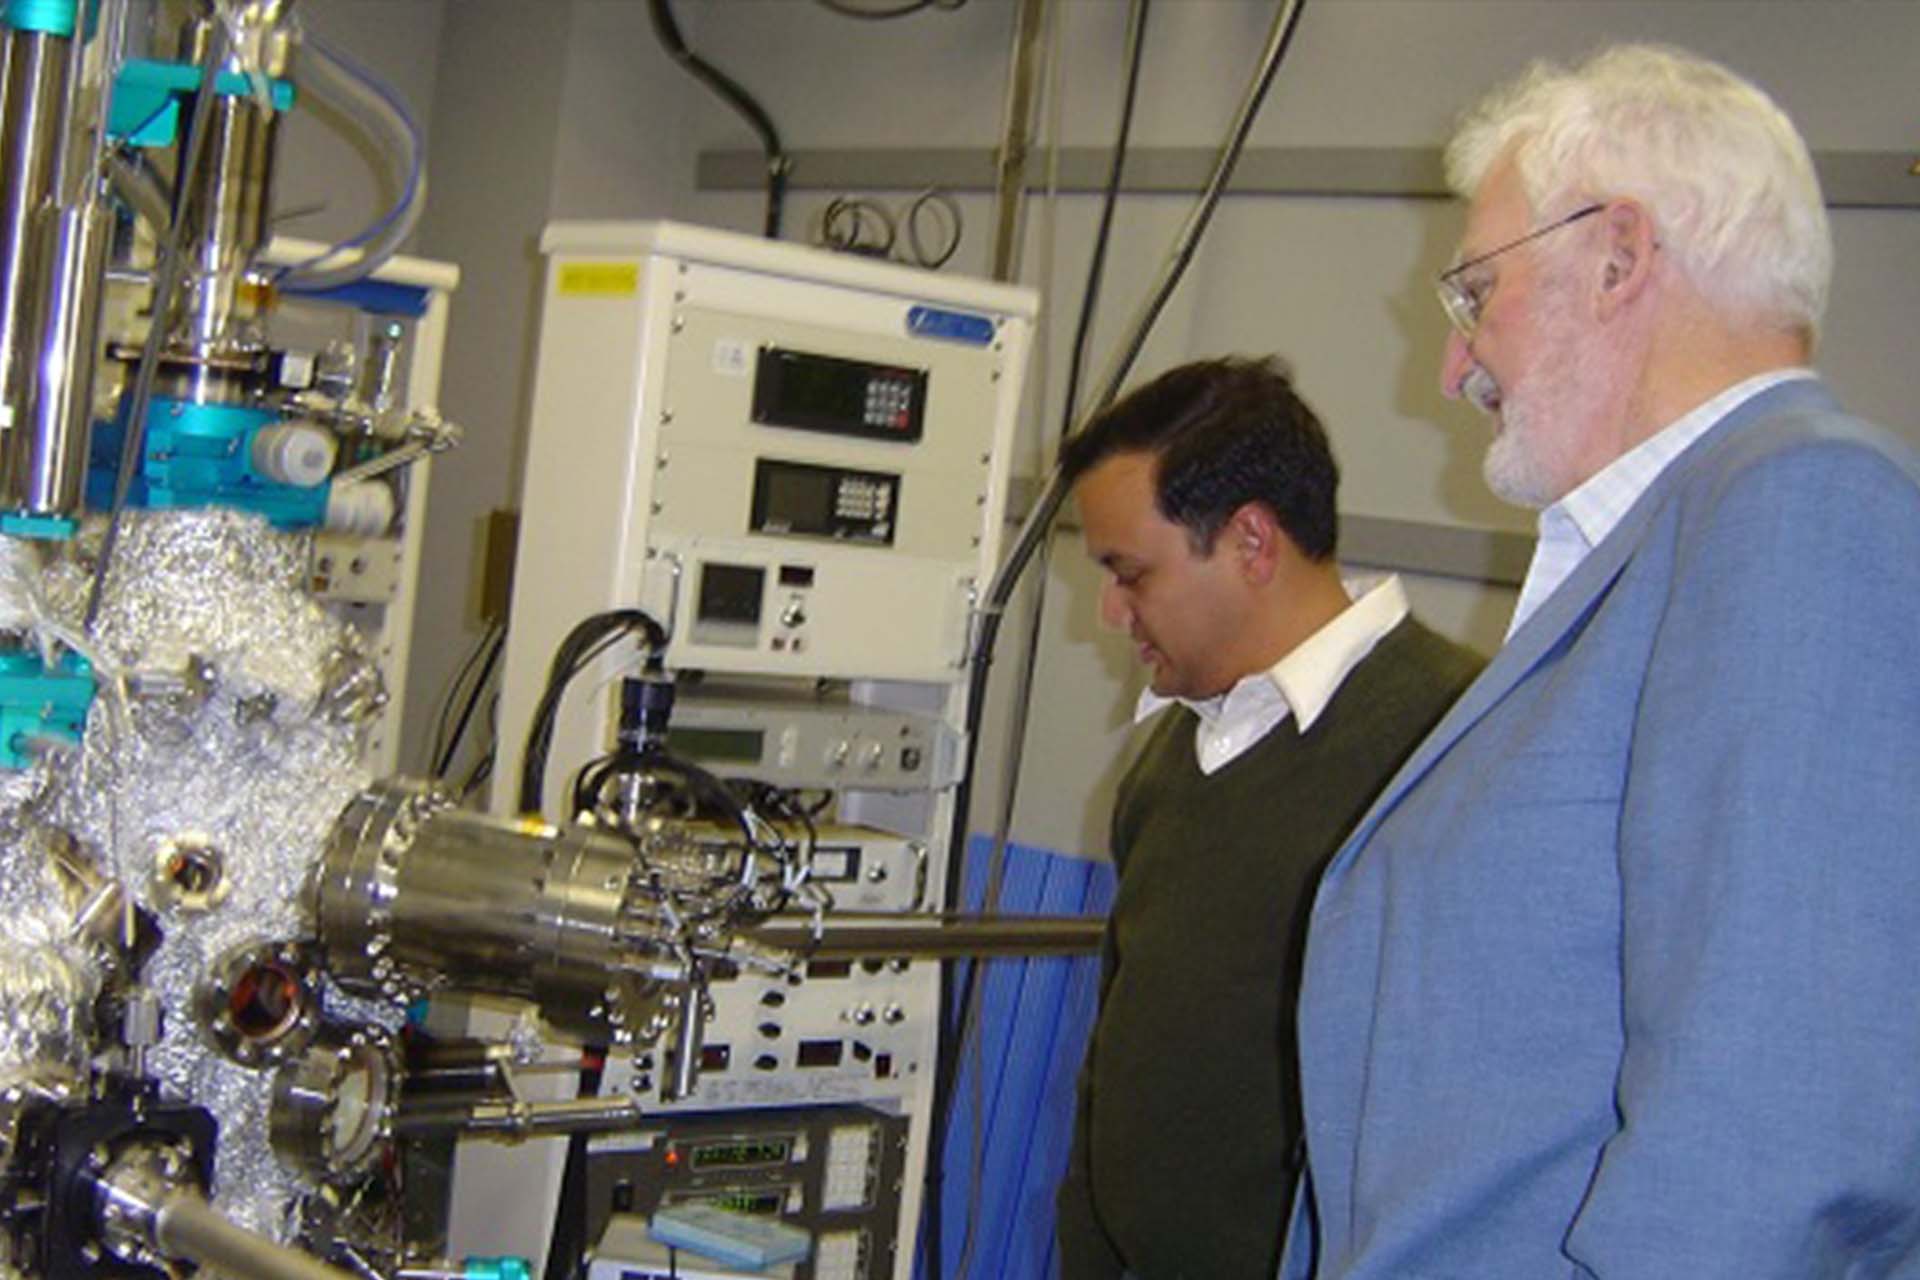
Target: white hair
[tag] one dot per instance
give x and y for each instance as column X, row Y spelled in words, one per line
column 1722, row 171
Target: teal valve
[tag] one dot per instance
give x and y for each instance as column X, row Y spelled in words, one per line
column 40, row 528
column 50, row 17
column 504, row 1268
column 147, row 96
column 38, row 704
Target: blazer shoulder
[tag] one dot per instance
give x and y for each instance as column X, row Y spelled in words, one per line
column 1806, row 437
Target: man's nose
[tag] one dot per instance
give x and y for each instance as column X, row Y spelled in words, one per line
column 1114, row 611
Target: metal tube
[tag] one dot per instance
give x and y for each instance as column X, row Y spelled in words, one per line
column 686, row 1066
column 460, row 1067
column 224, row 202
column 945, row 936
column 188, row 1227
column 6, row 78
column 64, row 157
column 226, row 214
column 144, row 194
column 35, row 90
column 517, row 1120
column 1017, row 138
column 411, row 890
column 47, row 460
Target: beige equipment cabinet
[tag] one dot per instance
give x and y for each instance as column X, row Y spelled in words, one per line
column 798, row 463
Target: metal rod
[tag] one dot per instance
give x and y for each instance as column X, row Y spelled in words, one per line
column 686, row 1066
column 942, row 936
column 72, row 246
column 1016, row 138
column 514, row 1120
column 188, row 1227
column 35, row 86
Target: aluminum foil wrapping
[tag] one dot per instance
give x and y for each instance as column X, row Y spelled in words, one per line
column 230, row 717
column 20, row 594
column 48, row 978
column 46, row 989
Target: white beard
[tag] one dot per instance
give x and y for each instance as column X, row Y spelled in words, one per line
column 1541, row 414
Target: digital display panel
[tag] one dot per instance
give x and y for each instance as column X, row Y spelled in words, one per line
column 732, row 746
column 765, row 1204
column 835, row 863
column 747, row 1153
column 731, row 593
column 801, row 499
column 843, row 397
column 797, row 499
column 820, row 1053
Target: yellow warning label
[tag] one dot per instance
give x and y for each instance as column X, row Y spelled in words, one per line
column 603, row 279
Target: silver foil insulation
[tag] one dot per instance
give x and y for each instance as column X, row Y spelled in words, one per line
column 222, row 745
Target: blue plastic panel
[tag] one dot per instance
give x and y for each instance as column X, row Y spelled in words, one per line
column 952, row 326
column 1017, row 1092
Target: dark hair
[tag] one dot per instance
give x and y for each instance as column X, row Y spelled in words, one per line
column 1223, row 433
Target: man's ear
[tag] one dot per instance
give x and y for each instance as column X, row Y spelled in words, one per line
column 1253, row 536
column 1627, row 267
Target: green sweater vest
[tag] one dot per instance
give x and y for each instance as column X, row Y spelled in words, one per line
column 1184, row 1151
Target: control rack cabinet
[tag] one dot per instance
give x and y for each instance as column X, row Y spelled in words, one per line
column 798, row 463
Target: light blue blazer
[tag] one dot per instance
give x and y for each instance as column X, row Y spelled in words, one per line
column 1620, row 977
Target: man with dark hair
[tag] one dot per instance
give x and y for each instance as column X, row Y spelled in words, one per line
column 1208, row 497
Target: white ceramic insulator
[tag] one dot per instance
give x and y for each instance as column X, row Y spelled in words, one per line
column 294, row 453
column 364, row 509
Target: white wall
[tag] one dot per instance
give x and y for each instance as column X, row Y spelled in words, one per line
column 326, row 187
column 574, row 112
column 1341, row 287
column 554, row 110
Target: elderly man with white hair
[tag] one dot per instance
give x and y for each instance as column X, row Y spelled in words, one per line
column 1620, row 976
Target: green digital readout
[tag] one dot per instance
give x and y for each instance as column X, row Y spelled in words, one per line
column 731, row 746
column 764, row 1204
column 745, row 1154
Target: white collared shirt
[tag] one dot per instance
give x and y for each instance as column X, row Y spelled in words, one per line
column 1577, row 523
column 1299, row 685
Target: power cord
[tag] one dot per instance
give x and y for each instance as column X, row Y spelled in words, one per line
column 779, row 164
column 587, row 641
column 857, row 224
column 851, row 10
column 865, row 225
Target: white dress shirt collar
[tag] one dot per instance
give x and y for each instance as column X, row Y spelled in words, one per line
column 1577, row 523
column 1299, row 685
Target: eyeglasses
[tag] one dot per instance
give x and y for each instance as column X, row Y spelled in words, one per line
column 1463, row 300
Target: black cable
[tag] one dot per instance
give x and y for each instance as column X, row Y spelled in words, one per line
column 481, row 774
column 897, row 11
column 843, row 226
column 492, row 643
column 934, row 198
column 1209, row 201
column 965, row 1012
column 1096, row 267
column 586, row 641
column 567, row 664
column 482, row 770
column 779, row 165
column 451, row 697
column 168, row 269
column 702, row 785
